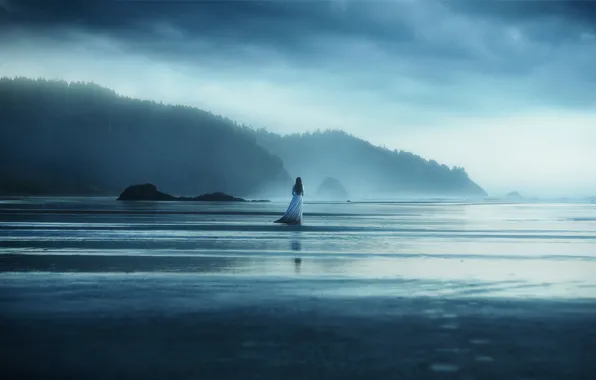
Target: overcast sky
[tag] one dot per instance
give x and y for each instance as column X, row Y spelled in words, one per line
column 506, row 89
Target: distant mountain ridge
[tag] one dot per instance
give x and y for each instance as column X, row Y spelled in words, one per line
column 60, row 138
column 363, row 168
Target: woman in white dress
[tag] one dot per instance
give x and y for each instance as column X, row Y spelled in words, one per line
column 293, row 214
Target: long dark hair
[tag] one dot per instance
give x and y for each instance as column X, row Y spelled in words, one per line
column 298, row 186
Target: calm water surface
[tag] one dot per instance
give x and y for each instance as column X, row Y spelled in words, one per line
column 531, row 250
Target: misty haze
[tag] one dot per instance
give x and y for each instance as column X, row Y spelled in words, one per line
column 336, row 189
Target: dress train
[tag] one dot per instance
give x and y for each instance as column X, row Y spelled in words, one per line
column 293, row 214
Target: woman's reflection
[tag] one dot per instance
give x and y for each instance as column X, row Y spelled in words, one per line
column 296, row 245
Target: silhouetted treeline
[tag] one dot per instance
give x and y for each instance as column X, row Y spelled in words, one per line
column 80, row 138
column 365, row 169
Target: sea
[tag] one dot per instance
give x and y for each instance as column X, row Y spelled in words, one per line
column 400, row 289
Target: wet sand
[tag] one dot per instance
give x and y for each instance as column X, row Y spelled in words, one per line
column 227, row 327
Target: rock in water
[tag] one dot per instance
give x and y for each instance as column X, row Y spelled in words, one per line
column 149, row 192
column 145, row 192
column 218, row 197
column 331, row 189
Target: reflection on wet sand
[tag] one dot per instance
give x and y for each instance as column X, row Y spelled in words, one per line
column 545, row 246
column 296, row 246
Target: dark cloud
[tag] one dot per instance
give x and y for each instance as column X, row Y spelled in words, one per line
column 302, row 32
column 368, row 42
column 282, row 26
column 574, row 11
column 237, row 15
column 291, row 28
column 549, row 21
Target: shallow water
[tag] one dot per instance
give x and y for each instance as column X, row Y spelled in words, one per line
column 531, row 250
column 95, row 288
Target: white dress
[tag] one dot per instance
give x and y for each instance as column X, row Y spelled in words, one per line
column 293, row 214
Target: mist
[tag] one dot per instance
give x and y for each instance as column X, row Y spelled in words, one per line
column 60, row 138
column 504, row 90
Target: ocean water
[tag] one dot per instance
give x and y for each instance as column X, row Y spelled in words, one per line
column 402, row 248
column 427, row 289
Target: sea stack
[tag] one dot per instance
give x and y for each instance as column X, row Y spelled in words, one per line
column 331, row 189
column 514, row 195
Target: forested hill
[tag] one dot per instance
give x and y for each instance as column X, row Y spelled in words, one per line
column 364, row 169
column 59, row 138
column 78, row 138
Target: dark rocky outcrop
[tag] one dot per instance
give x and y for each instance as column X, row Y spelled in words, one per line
column 149, row 192
column 214, row 197
column 331, row 188
column 145, row 192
